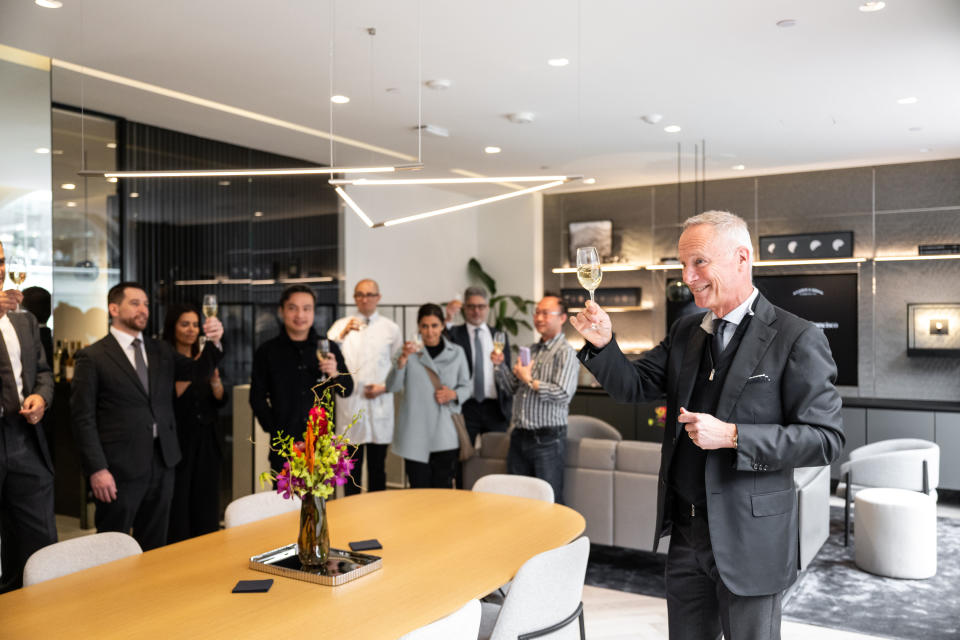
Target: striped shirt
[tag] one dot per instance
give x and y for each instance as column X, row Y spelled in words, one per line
column 555, row 367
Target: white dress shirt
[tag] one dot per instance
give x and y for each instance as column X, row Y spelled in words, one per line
column 734, row 318
column 486, row 340
column 13, row 349
column 368, row 354
column 126, row 343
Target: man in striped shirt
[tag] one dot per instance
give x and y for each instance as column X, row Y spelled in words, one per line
column 542, row 391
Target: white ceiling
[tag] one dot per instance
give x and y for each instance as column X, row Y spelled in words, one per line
column 820, row 94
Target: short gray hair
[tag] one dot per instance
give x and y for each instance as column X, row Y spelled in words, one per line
column 730, row 225
column 476, row 291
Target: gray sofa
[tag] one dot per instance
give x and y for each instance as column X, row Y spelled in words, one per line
column 613, row 484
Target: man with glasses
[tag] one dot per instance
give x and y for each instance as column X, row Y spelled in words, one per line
column 542, row 391
column 486, row 410
column 368, row 341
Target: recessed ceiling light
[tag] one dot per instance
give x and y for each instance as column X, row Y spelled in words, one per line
column 71, row 204
column 589, row 181
column 491, row 149
column 224, row 183
column 258, row 214
column 48, row 4
column 915, row 129
column 111, row 145
column 338, row 99
column 69, row 186
column 869, row 7
column 438, row 84
column 41, row 150
column 111, row 179
column 558, row 62
column 134, row 194
column 672, row 128
column 907, row 100
column 738, row 167
column 924, row 150
column 57, row 152
column 789, row 22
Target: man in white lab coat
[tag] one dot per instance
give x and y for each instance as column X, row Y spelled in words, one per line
column 368, row 342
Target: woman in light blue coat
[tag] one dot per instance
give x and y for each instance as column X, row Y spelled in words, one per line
column 424, row 435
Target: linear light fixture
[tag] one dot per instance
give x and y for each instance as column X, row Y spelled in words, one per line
column 615, row 266
column 222, row 173
column 215, row 281
column 950, row 256
column 780, row 263
column 371, row 182
column 437, row 212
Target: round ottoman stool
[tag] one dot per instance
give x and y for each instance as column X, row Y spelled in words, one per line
column 895, row 533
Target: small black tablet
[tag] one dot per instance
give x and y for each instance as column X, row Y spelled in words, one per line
column 365, row 545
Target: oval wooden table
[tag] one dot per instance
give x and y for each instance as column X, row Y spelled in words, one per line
column 441, row 548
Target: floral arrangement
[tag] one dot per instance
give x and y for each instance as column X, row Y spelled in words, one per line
column 320, row 462
column 660, row 417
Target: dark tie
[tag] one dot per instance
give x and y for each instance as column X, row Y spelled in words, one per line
column 478, row 383
column 717, row 345
column 141, row 365
column 9, row 398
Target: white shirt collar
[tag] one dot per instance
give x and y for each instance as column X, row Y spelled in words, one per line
column 474, row 327
column 735, row 316
column 124, row 338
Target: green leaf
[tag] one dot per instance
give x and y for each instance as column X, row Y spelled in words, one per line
column 473, row 266
column 502, row 309
column 526, row 324
column 510, row 325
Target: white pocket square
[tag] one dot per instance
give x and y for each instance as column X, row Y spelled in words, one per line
column 760, row 377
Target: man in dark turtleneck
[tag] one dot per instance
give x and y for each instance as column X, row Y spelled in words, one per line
column 750, row 396
column 285, row 369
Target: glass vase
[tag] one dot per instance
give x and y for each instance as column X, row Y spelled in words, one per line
column 313, row 543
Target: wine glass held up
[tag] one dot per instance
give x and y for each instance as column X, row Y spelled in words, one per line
column 323, row 350
column 499, row 340
column 209, row 306
column 588, row 271
column 17, row 272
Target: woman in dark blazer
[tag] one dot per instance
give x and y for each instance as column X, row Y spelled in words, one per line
column 196, row 492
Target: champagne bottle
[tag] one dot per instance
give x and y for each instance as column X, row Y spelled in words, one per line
column 57, row 354
column 68, row 368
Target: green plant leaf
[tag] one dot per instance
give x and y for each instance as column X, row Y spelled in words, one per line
column 510, row 325
column 524, row 323
column 476, row 271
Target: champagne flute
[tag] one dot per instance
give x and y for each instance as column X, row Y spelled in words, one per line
column 499, row 339
column 209, row 305
column 323, row 350
column 418, row 340
column 17, row 272
column 588, row 271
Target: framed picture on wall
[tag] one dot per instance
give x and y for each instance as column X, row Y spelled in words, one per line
column 597, row 233
column 933, row 329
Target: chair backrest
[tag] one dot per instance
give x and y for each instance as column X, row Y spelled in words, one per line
column 77, row 554
column 257, row 507
column 895, row 464
column 463, row 623
column 547, row 589
column 517, row 486
column 590, row 427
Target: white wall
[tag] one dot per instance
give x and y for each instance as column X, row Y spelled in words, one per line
column 427, row 260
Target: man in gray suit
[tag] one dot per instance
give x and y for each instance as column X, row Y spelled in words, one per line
column 750, row 395
column 26, row 472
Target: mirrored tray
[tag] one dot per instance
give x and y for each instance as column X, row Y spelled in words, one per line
column 342, row 566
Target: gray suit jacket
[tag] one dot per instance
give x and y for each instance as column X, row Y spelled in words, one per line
column 36, row 372
column 779, row 392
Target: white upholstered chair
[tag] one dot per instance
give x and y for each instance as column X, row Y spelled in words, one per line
column 545, row 599
column 589, row 427
column 900, row 463
column 463, row 624
column 517, row 486
column 77, row 554
column 257, row 506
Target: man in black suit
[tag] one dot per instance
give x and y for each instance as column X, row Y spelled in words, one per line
column 26, row 472
column 487, row 410
column 123, row 417
column 750, row 395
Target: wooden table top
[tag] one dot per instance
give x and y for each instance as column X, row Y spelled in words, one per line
column 441, row 548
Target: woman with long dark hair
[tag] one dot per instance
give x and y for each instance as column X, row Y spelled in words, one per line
column 425, row 435
column 196, row 492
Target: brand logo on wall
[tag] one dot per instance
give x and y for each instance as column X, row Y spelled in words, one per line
column 836, row 244
column 808, row 291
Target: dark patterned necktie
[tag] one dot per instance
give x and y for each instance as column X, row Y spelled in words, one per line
column 141, row 364
column 717, row 345
column 9, row 398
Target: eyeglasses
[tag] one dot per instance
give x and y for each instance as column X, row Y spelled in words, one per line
column 366, row 295
column 475, row 307
column 538, row 312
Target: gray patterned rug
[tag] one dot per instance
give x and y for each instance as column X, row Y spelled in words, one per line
column 832, row 592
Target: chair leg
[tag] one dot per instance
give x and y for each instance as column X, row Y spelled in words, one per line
column 926, row 478
column 583, row 632
column 846, row 511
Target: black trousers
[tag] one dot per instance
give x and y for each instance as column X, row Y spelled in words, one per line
column 195, row 509
column 699, row 605
column 376, row 456
column 435, row 474
column 27, row 522
column 143, row 504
